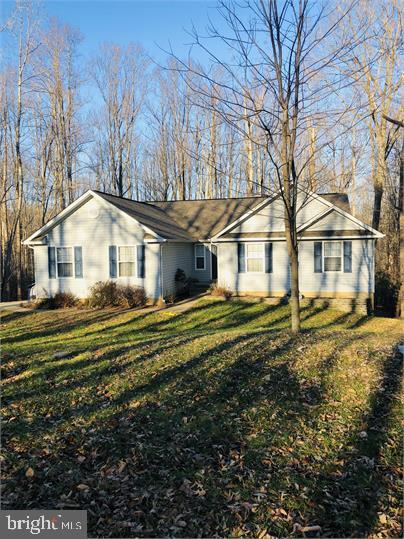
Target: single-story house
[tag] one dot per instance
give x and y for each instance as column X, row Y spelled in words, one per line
column 237, row 242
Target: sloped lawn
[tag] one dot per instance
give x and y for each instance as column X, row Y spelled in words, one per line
column 214, row 422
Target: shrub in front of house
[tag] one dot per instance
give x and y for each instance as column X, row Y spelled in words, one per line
column 131, row 296
column 103, row 294
column 110, row 294
column 220, row 291
column 61, row 300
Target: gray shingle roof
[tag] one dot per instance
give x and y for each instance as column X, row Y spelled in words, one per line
column 190, row 220
column 340, row 200
column 149, row 215
column 205, row 218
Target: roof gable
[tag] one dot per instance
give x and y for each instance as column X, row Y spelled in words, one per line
column 269, row 218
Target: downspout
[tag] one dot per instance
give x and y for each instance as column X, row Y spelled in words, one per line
column 161, row 299
column 210, row 259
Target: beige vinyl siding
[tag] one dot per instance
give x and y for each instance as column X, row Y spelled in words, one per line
column 95, row 227
column 175, row 256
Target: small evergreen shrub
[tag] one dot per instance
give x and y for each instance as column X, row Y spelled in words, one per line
column 182, row 285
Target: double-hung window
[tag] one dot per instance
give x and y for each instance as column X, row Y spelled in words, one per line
column 255, row 257
column 200, row 262
column 126, row 260
column 332, row 256
column 64, row 261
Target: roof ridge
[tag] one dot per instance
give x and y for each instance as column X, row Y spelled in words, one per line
column 187, row 200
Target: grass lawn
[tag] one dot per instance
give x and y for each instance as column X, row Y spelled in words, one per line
column 214, row 422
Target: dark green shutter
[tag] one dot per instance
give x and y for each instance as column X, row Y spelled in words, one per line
column 268, row 258
column 78, row 262
column 112, row 261
column 347, row 257
column 241, row 257
column 318, row 257
column 140, row 250
column 52, row 262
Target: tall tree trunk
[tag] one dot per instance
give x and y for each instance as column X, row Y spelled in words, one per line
column 289, row 195
column 377, row 205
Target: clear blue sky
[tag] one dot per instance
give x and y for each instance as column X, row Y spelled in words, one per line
column 152, row 23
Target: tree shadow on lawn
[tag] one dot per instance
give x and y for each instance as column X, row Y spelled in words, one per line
column 120, row 357
column 220, row 316
column 63, row 321
column 68, row 321
column 7, row 316
column 351, row 498
column 184, row 447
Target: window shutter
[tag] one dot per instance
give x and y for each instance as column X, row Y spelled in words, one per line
column 241, row 257
column 78, row 262
column 52, row 262
column 318, row 257
column 112, row 261
column 268, row 258
column 347, row 257
column 140, row 250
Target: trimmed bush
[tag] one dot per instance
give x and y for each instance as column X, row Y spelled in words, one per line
column 103, row 294
column 222, row 291
column 61, row 300
column 110, row 294
column 131, row 296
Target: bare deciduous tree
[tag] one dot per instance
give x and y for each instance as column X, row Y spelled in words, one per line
column 278, row 79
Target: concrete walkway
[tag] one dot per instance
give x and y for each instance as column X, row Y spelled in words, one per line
column 15, row 306
column 184, row 305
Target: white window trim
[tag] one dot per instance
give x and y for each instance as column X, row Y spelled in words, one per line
column 341, row 256
column 73, row 262
column 204, row 256
column 262, row 257
column 119, row 276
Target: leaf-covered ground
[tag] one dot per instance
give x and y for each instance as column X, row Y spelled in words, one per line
column 214, row 422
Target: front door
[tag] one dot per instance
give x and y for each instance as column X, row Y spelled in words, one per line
column 214, row 262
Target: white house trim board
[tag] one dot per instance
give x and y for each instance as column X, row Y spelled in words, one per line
column 314, row 219
column 283, row 238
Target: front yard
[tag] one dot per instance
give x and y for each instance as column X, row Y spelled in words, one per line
column 212, row 422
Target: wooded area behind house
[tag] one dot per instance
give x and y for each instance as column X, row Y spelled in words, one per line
column 156, row 132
